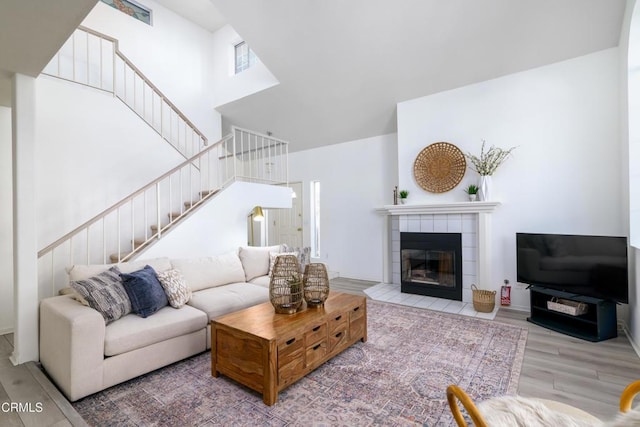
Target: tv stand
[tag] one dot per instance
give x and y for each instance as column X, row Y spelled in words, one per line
column 599, row 323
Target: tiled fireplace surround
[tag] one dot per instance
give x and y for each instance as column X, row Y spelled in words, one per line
column 471, row 219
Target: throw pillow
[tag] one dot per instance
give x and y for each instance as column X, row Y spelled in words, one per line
column 274, row 255
column 105, row 293
column 145, row 291
column 304, row 255
column 255, row 260
column 74, row 295
column 178, row 293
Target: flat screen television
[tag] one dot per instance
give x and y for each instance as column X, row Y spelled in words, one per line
column 594, row 266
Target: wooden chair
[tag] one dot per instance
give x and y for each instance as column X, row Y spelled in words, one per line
column 455, row 393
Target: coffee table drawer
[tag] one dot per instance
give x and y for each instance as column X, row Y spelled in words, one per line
column 316, row 353
column 338, row 338
column 356, row 312
column 338, row 320
column 317, row 333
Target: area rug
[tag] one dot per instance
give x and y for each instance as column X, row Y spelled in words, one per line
column 398, row 377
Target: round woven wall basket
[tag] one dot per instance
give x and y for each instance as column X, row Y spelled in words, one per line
column 439, row 167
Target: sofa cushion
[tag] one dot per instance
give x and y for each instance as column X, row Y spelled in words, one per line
column 145, row 291
column 207, row 272
column 178, row 293
column 255, row 260
column 105, row 293
column 227, row 299
column 261, row 281
column 132, row 332
column 81, row 272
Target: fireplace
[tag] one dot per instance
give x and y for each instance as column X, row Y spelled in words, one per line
column 431, row 264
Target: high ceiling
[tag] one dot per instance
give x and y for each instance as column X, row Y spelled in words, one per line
column 344, row 65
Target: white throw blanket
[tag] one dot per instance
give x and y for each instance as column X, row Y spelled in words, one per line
column 516, row 411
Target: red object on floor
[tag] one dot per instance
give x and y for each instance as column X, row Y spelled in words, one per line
column 505, row 294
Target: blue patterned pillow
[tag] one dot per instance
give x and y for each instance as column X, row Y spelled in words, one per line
column 145, row 291
column 105, row 294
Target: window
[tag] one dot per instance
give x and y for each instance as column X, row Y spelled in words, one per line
column 245, row 57
column 315, row 219
column 131, row 8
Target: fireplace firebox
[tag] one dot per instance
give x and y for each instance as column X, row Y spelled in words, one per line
column 431, row 264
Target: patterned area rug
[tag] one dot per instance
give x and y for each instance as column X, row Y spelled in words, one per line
column 398, row 377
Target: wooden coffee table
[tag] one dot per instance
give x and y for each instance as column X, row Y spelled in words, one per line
column 267, row 352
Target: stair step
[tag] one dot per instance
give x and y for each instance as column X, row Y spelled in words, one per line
column 114, row 257
column 174, row 215
column 207, row 192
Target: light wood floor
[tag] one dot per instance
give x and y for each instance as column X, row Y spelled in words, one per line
column 589, row 376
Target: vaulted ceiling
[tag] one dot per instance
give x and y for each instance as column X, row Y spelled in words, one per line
column 344, row 65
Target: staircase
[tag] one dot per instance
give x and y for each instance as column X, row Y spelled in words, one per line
column 127, row 228
column 124, row 230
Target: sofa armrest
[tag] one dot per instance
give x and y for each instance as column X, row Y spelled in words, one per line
column 72, row 345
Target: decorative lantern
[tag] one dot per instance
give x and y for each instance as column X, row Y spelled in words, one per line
column 285, row 287
column 315, row 284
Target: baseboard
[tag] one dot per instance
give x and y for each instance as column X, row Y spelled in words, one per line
column 515, row 307
column 634, row 345
column 5, row 331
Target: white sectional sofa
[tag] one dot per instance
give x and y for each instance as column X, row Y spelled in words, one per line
column 83, row 355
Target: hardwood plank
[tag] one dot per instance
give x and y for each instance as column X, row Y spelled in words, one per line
column 71, row 416
column 8, row 419
column 21, row 387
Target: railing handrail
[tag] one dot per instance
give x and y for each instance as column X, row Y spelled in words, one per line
column 263, row 135
column 145, row 79
column 129, row 197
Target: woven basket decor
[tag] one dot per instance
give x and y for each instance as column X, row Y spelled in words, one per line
column 285, row 287
column 315, row 284
column 439, row 167
column 483, row 301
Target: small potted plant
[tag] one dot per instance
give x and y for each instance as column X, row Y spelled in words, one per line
column 472, row 191
column 403, row 196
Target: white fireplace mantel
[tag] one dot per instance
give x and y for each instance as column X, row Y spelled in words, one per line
column 480, row 210
column 439, row 208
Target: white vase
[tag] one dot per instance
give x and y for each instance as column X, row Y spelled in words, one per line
column 484, row 188
column 403, row 200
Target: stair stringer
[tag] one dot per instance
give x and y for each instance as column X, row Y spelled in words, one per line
column 218, row 225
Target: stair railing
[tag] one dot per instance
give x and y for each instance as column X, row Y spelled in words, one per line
column 124, row 230
column 93, row 59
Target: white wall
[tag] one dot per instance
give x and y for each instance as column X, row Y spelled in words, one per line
column 89, row 158
column 6, row 226
column 355, row 178
column 228, row 86
column 175, row 54
column 564, row 177
column 220, row 225
column 630, row 84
